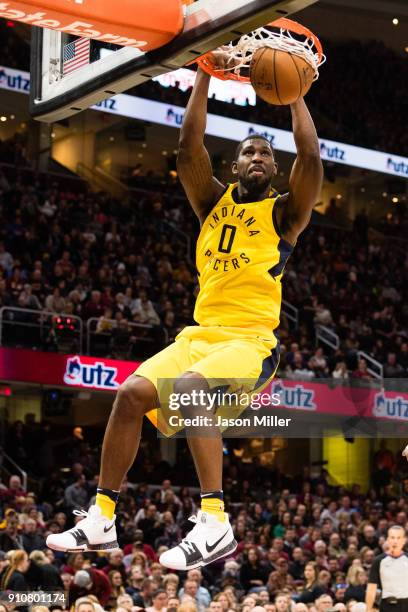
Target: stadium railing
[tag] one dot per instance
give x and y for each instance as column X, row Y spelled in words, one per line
column 291, row 313
column 100, row 341
column 30, row 328
column 9, row 467
column 374, row 367
column 327, row 336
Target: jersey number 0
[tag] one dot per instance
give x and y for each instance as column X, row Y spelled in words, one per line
column 227, row 238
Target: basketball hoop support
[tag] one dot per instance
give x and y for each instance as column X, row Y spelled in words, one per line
column 208, row 24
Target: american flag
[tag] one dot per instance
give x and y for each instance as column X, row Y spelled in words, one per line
column 76, row 54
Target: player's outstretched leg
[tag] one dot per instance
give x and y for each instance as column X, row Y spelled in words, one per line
column 96, row 530
column 212, row 536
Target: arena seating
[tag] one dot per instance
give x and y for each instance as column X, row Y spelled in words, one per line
column 281, row 524
column 81, row 254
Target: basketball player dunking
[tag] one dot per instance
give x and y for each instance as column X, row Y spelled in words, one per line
column 248, row 231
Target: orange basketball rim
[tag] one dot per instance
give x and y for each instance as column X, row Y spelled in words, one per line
column 206, row 62
column 143, row 24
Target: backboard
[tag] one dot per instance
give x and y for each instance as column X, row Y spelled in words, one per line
column 57, row 92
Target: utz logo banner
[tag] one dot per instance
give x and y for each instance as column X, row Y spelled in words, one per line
column 14, row 80
column 297, row 397
column 96, row 376
column 395, row 408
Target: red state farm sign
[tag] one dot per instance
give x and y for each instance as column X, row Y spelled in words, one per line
column 145, row 24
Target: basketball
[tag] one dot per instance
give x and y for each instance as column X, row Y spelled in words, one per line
column 279, row 77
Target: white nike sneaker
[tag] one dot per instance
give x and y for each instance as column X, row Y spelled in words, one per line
column 93, row 532
column 208, row 541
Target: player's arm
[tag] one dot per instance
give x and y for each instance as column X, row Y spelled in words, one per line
column 305, row 182
column 193, row 162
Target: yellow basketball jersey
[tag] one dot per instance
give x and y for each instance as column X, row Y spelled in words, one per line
column 240, row 259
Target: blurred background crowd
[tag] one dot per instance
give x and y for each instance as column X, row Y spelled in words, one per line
column 126, row 269
column 303, row 543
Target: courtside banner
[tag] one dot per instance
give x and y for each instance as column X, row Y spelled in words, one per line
column 231, row 129
column 37, row 367
column 327, row 397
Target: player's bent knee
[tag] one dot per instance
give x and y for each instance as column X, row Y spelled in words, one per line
column 190, row 381
column 135, row 397
column 186, row 385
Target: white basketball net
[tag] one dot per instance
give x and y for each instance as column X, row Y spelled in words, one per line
column 242, row 51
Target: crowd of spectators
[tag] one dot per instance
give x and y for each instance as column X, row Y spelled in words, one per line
column 303, row 544
column 349, row 103
column 123, row 265
column 87, row 255
column 354, row 286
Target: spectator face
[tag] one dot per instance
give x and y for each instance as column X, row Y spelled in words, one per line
column 301, row 510
column 157, row 571
column 174, row 602
column 252, row 556
column 61, row 519
column 195, row 574
column 263, row 596
column 116, row 579
column 14, row 483
column 310, row 573
column 151, row 512
column 248, row 601
column 160, row 601
column 297, row 554
column 278, row 544
column 30, row 526
column 125, row 601
column 167, row 516
column 301, row 607
column 77, row 561
column 361, row 577
column 351, row 550
column 324, row 577
column 50, row 555
column 320, row 547
column 223, row 600
column 281, row 603
column 323, row 603
column 369, row 533
column 116, row 558
column 215, row 606
column 171, row 590
column 66, row 580
column 334, row 539
column 136, row 573
column 191, row 588
column 339, row 592
column 85, row 607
